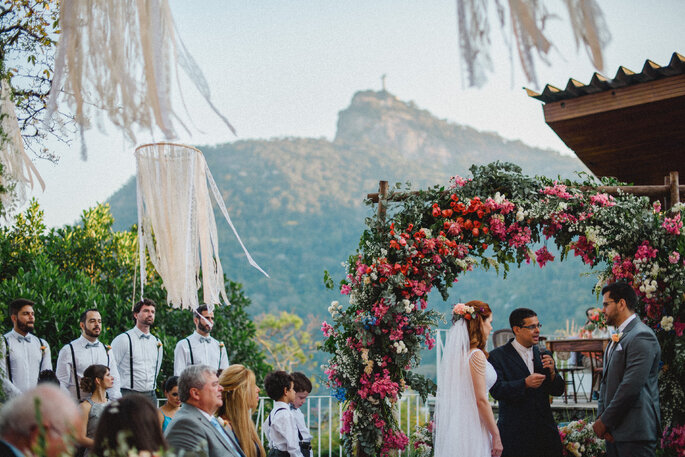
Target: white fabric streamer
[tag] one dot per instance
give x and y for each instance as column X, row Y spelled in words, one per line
column 527, row 20
column 176, row 223
column 119, row 56
column 18, row 171
column 458, row 429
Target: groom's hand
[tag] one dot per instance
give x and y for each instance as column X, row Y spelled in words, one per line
column 600, row 429
column 535, row 380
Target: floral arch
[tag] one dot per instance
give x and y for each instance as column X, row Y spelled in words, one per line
column 432, row 236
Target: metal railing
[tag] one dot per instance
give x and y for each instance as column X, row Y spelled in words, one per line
column 323, row 416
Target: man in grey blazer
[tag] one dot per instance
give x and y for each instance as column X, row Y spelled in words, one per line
column 194, row 429
column 628, row 411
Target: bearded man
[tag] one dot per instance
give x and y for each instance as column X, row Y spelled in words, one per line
column 200, row 347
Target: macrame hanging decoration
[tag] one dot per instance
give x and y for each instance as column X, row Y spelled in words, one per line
column 176, row 223
column 527, row 20
column 120, row 57
column 18, row 172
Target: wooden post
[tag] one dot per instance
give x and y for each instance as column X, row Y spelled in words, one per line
column 674, row 188
column 382, row 199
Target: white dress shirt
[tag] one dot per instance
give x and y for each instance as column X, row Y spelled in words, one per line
column 8, row 388
column 620, row 330
column 281, row 430
column 205, row 350
column 85, row 357
column 26, row 359
column 147, row 359
column 525, row 353
column 301, row 424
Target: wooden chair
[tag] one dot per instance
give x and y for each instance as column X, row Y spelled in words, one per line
column 501, row 337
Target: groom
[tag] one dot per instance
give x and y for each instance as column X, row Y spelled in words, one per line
column 525, row 380
column 628, row 395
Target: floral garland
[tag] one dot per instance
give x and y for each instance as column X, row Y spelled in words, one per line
column 433, row 236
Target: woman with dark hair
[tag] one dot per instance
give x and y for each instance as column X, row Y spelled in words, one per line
column 241, row 395
column 464, row 422
column 131, row 420
column 167, row 411
column 96, row 380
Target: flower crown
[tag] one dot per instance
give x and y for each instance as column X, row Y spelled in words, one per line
column 462, row 311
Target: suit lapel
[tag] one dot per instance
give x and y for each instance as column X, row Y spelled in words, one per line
column 611, row 349
column 516, row 357
column 223, row 439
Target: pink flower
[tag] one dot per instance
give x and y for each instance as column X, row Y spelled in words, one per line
column 498, row 228
column 584, row 248
column 558, row 190
column 458, row 181
column 679, row 328
column 645, row 251
column 657, row 206
column 518, row 236
column 543, row 256
column 327, row 329
column 345, row 289
column 674, row 257
column 602, row 200
column 673, row 224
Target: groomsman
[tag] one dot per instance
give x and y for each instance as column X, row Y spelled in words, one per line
column 628, row 408
column 83, row 352
column 525, row 380
column 200, row 347
column 139, row 353
column 25, row 355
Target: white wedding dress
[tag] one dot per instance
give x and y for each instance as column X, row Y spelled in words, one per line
column 458, row 428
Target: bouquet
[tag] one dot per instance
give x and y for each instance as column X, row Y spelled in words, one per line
column 579, row 440
column 597, row 320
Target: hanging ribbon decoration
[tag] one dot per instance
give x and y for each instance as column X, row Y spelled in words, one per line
column 176, row 223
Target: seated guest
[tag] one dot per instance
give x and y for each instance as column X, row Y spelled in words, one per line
column 195, row 430
column 20, row 432
column 241, row 396
column 131, row 420
column 167, row 411
column 95, row 381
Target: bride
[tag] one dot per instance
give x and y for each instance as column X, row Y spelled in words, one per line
column 464, row 422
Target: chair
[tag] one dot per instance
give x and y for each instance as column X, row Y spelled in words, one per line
column 501, row 337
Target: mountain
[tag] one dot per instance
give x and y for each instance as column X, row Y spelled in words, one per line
column 298, row 205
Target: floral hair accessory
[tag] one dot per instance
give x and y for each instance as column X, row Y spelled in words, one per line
column 462, row 311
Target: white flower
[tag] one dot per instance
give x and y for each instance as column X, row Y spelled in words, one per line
column 520, row 215
column 667, row 323
column 563, row 206
column 384, row 252
column 427, row 232
column 499, row 198
column 408, row 306
column 355, row 416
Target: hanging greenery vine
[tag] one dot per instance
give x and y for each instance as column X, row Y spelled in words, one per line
column 431, row 237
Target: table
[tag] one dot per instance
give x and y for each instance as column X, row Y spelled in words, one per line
column 595, row 346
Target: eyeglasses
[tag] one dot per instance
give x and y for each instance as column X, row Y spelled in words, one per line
column 532, row 327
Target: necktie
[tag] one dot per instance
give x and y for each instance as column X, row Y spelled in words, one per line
column 204, row 339
column 222, row 432
column 147, row 337
column 24, row 338
column 92, row 345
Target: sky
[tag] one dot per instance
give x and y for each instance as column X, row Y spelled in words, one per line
column 278, row 68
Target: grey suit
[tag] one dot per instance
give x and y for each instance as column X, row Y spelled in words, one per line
column 629, row 394
column 191, row 432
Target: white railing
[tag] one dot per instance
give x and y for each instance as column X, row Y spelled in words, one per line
column 323, row 416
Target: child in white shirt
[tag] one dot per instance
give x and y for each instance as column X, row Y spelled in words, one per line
column 303, row 387
column 280, row 427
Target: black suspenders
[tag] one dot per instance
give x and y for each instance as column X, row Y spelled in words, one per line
column 130, row 359
column 73, row 365
column 7, row 356
column 192, row 359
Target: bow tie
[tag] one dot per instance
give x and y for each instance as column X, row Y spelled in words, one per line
column 204, row 339
column 92, row 345
column 147, row 337
column 24, row 338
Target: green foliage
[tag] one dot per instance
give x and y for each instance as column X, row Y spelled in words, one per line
column 286, row 343
column 72, row 268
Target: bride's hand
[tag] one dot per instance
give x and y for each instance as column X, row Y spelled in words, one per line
column 496, row 446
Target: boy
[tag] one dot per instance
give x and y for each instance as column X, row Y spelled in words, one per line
column 280, row 427
column 303, row 387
